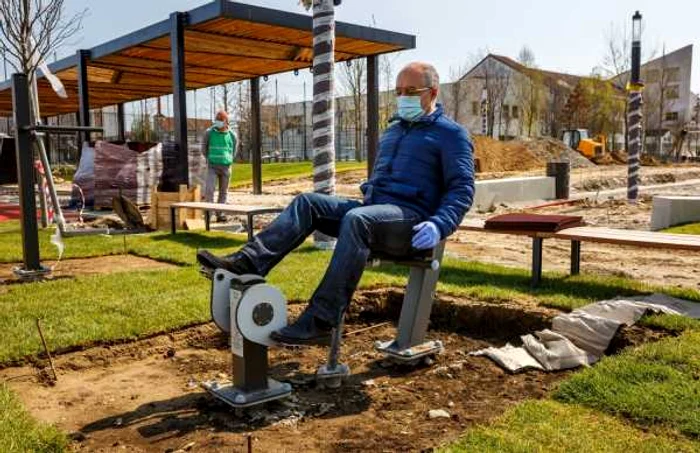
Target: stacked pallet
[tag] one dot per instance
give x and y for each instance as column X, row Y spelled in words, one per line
column 159, row 217
column 131, row 170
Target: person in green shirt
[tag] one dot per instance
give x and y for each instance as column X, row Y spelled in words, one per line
column 219, row 148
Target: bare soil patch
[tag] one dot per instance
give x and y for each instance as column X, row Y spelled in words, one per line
column 143, row 396
column 89, row 266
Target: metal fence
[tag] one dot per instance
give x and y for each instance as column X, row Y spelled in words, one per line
column 292, row 144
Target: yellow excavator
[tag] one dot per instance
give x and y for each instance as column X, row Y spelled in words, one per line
column 580, row 140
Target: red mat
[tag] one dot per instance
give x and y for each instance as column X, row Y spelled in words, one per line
column 9, row 212
column 12, row 212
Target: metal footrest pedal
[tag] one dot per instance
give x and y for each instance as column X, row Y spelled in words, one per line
column 423, row 352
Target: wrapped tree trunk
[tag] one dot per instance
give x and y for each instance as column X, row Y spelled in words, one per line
column 323, row 114
column 635, row 144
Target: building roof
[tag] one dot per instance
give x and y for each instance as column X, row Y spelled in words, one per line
column 224, row 42
column 619, row 79
column 550, row 77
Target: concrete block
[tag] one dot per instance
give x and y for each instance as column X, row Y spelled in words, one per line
column 668, row 211
column 495, row 191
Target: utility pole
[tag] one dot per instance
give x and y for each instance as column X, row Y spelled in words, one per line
column 277, row 116
column 306, row 154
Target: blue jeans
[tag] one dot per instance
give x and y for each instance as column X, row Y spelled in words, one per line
column 359, row 229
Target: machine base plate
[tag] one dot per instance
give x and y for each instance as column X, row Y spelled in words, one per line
column 240, row 399
column 410, row 355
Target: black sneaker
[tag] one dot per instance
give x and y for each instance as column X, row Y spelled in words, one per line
column 306, row 330
column 238, row 263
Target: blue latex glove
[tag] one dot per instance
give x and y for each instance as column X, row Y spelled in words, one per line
column 426, row 236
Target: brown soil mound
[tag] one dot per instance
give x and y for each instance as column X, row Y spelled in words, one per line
column 523, row 155
column 71, row 268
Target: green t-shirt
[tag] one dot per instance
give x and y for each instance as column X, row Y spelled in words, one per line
column 221, row 147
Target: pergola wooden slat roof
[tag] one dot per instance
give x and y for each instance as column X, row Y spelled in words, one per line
column 224, row 42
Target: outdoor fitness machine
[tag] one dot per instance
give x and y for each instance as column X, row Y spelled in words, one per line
column 248, row 309
column 409, row 347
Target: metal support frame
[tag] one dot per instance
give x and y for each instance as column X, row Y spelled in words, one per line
column 121, row 124
column 537, row 260
column 410, row 346
column 83, row 95
column 178, row 21
column 251, row 385
column 256, row 135
column 575, row 257
column 25, row 173
column 372, row 112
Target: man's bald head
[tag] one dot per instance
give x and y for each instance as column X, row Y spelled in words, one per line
column 419, row 76
column 420, row 69
column 222, row 115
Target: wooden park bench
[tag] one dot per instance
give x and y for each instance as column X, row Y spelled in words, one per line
column 577, row 235
column 249, row 211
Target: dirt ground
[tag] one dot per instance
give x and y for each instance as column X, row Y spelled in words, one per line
column 144, row 397
column 88, row 266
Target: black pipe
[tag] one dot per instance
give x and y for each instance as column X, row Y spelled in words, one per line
column 25, row 173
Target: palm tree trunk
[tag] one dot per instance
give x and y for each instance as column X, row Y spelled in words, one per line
column 323, row 117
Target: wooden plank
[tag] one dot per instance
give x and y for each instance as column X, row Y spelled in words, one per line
column 629, row 237
column 232, row 209
column 194, row 224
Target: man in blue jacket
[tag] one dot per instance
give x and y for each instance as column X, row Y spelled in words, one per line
column 421, row 187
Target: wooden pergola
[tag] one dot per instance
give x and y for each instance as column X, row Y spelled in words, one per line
column 217, row 43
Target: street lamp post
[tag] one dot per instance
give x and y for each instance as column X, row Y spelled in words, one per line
column 635, row 88
column 484, row 111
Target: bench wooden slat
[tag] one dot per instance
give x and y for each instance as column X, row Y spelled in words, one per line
column 232, row 209
column 626, row 237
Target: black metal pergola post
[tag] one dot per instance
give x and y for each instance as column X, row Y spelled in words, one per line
column 83, row 95
column 256, row 135
column 372, row 111
column 25, row 173
column 121, row 124
column 177, row 45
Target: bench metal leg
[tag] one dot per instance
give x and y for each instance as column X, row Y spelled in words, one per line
column 575, row 257
column 250, row 227
column 173, row 220
column 207, row 220
column 536, row 261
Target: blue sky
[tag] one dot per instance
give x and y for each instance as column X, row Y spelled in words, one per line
column 567, row 36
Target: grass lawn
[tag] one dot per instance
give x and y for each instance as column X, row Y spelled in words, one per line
column 242, row 174
column 20, row 433
column 688, row 228
column 548, row 426
column 646, row 399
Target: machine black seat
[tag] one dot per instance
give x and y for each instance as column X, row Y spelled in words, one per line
column 421, row 258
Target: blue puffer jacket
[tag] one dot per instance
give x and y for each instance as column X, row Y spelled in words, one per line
column 426, row 165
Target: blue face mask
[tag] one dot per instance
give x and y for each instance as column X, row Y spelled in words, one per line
column 409, row 107
column 219, row 124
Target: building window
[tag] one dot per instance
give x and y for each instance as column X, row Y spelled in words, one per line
column 672, row 75
column 671, row 92
column 651, row 76
column 506, row 111
column 475, row 108
column 515, row 112
column 671, row 116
